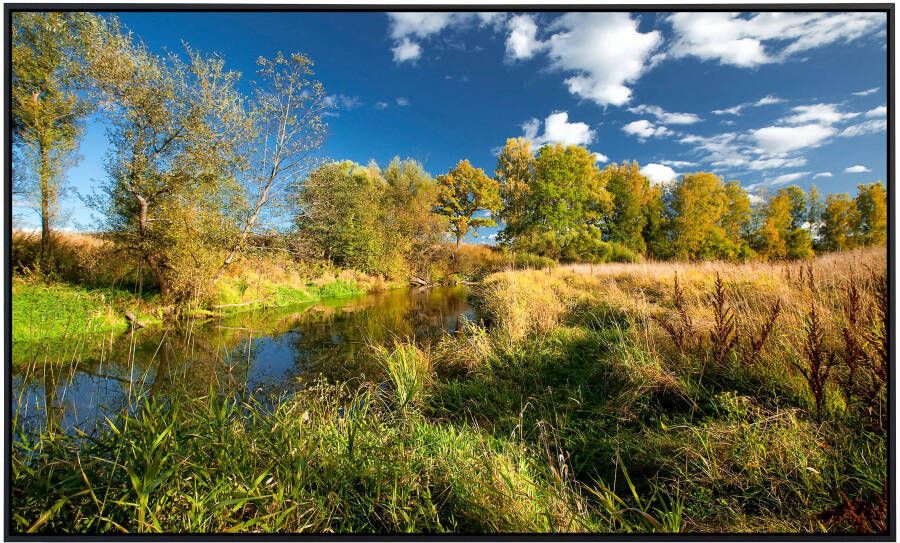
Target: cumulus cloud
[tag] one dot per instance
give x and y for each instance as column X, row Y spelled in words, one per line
column 605, row 52
column 784, row 139
column 823, row 174
column 818, row 113
column 522, row 41
column 867, row 92
column 601, row 158
column 747, row 41
column 558, row 129
column 658, row 174
column 664, row 116
column 406, row 50
column 644, row 129
column 857, row 169
column 767, row 100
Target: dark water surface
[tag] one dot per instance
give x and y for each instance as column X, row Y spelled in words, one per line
column 267, row 353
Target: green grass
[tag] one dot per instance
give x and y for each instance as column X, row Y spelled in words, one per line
column 54, row 311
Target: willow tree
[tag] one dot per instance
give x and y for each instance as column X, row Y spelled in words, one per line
column 47, row 107
column 463, row 192
column 172, row 196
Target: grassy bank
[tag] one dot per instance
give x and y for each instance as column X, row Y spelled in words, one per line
column 643, row 397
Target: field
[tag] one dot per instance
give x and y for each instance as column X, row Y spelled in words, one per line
column 619, row 397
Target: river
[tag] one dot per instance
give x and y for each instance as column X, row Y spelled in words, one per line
column 73, row 387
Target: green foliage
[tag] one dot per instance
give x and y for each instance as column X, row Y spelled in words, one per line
column 631, row 193
column 702, row 223
column 372, row 221
column 871, row 206
column 515, row 172
column 47, row 109
column 463, row 192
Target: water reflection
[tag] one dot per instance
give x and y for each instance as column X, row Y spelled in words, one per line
column 74, row 385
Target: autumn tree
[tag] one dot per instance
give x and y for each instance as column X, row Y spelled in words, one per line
column 514, row 173
column 838, row 223
column 463, row 192
column 699, row 206
column 47, row 107
column 173, row 195
column 814, row 211
column 631, row 194
column 871, row 214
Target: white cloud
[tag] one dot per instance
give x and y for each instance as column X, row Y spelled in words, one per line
column 401, row 101
column 784, row 139
column 779, row 180
column 867, row 92
column 872, row 126
column 857, row 169
column 421, row 25
column 747, row 41
column 522, row 41
column 406, row 50
column 601, row 158
column 776, row 162
column 605, row 51
column 342, row 101
column 736, row 110
column 880, row 111
column 381, row 105
column 823, row 174
column 658, row 174
column 664, row 116
column 678, row 163
column 826, row 114
column 558, row 129
column 644, row 129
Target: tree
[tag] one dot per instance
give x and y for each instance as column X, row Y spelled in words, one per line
column 515, row 171
column 462, row 193
column 285, row 129
column 871, row 219
column 631, row 194
column 799, row 202
column 772, row 239
column 47, row 108
column 814, row 211
column 736, row 220
column 172, row 197
column 839, row 219
column 657, row 227
column 699, row 205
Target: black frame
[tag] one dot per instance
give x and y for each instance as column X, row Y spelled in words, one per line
column 887, row 8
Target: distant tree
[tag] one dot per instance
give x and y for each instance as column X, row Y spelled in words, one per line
column 657, row 227
column 47, row 108
column 838, row 223
column 699, row 206
column 463, row 192
column 799, row 204
column 814, row 211
column 515, row 171
column 799, row 244
column 631, row 194
column 736, row 219
column 772, row 239
column 871, row 217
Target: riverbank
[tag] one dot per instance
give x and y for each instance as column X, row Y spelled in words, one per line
column 643, row 397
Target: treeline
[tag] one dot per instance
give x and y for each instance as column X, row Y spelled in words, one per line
column 198, row 168
column 559, row 203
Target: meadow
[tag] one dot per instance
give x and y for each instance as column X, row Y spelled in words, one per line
column 663, row 397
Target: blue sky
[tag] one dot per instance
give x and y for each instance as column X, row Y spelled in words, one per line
column 769, row 99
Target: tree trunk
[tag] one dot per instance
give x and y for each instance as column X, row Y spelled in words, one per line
column 458, row 239
column 45, row 202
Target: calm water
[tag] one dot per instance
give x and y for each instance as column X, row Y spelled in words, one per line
column 264, row 353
